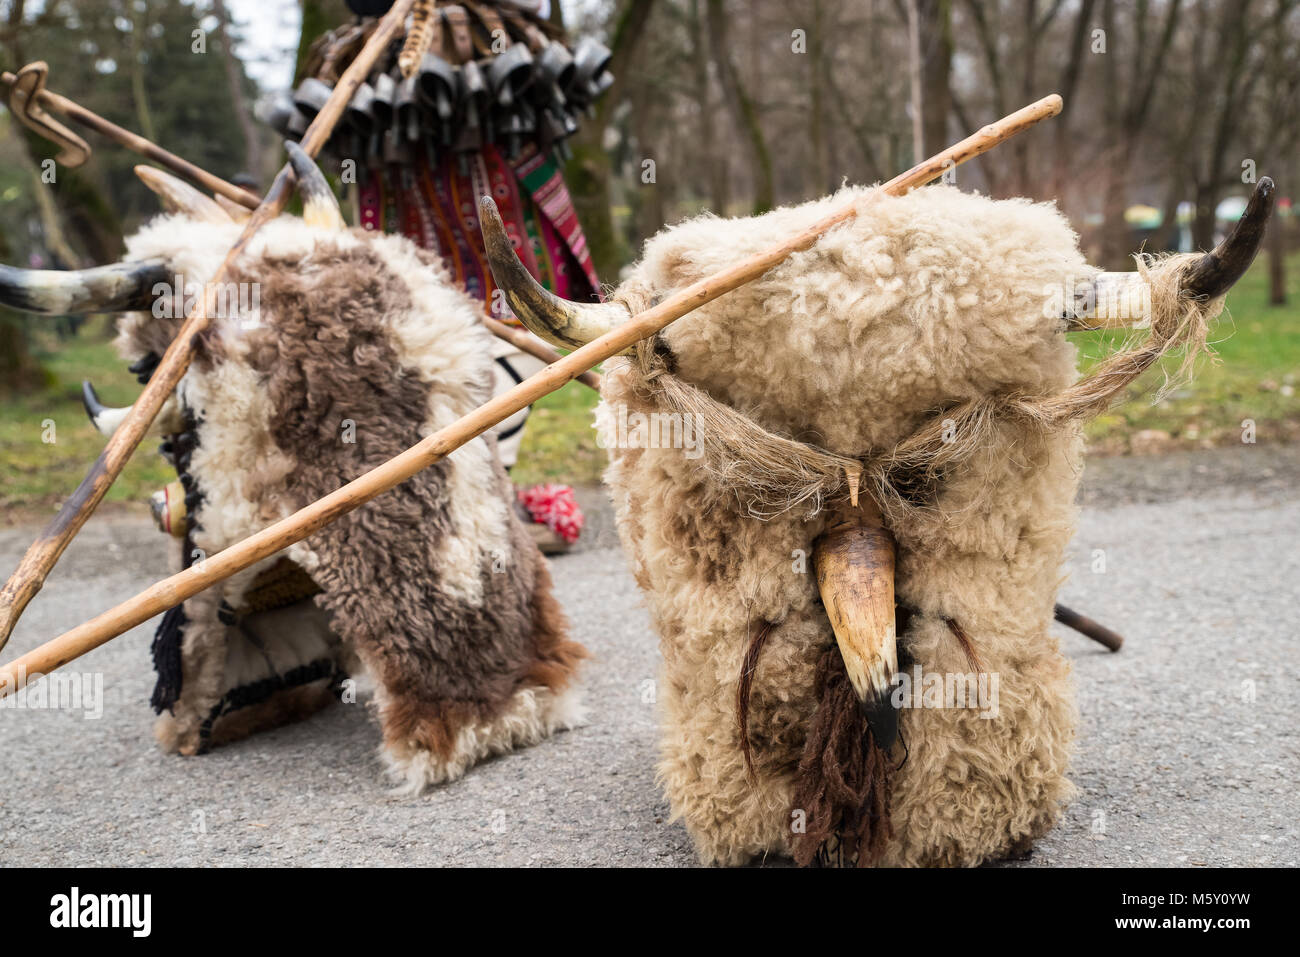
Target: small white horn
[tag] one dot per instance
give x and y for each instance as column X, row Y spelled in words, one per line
column 106, row 418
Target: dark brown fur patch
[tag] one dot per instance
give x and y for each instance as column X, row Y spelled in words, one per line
column 556, row 656
column 329, row 357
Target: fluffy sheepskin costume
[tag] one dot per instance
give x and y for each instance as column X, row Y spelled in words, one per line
column 358, row 347
column 917, row 303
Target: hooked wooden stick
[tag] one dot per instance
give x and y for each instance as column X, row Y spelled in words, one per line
column 27, row 580
column 136, row 143
column 294, row 528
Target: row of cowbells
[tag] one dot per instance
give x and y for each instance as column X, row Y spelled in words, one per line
column 510, row 99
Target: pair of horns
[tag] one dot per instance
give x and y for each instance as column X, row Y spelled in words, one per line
column 319, row 206
column 129, row 286
column 1109, row 299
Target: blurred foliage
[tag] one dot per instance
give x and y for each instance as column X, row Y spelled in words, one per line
column 151, row 66
column 94, row 49
column 560, row 440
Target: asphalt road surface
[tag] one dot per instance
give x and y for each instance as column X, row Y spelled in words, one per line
column 1188, row 750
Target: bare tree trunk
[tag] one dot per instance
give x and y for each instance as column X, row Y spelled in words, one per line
column 235, row 80
column 716, row 165
column 914, row 70
column 742, row 107
column 859, row 133
column 650, row 199
column 1063, row 147
column 1164, row 238
column 1237, row 84
column 819, row 172
column 1207, row 201
column 936, row 67
column 140, row 23
column 1020, row 147
column 1127, row 116
column 588, row 172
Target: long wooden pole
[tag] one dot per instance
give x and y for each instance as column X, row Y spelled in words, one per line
column 172, row 591
column 27, row 580
column 136, row 143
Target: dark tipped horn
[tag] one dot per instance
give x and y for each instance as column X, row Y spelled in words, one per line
column 1227, row 262
column 104, row 418
column 107, row 418
column 319, row 206
column 117, row 288
column 569, row 325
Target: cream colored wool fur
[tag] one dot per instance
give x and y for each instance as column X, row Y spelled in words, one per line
column 919, row 302
column 239, row 468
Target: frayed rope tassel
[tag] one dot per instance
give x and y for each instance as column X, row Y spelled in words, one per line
column 843, row 782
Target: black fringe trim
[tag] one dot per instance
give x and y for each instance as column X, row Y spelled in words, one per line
column 166, row 651
column 248, row 695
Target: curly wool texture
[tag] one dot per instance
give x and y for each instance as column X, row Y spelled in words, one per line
column 359, row 347
column 919, row 303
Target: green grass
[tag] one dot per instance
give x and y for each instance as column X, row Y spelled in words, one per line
column 560, row 442
column 36, row 475
column 1258, row 345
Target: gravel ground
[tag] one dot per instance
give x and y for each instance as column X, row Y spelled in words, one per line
column 1188, row 747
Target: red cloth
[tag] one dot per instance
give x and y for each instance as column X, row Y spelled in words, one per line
column 435, row 203
column 555, row 507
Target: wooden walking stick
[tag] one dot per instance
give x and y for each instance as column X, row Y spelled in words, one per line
column 294, row 528
column 28, row 99
column 27, row 580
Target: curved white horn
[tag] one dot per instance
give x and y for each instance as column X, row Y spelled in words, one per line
column 121, row 287
column 178, row 196
column 854, row 564
column 569, row 325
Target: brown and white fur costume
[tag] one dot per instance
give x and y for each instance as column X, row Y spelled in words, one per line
column 360, row 347
column 918, row 303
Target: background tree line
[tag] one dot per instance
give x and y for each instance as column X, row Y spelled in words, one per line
column 746, row 104
column 734, row 106
column 163, row 68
